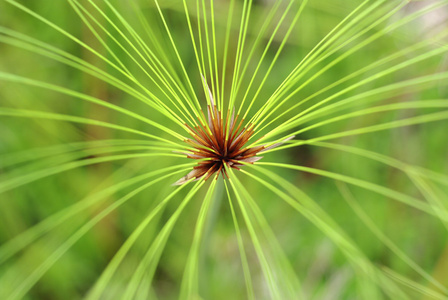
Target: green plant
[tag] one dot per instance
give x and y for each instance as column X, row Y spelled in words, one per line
column 99, row 99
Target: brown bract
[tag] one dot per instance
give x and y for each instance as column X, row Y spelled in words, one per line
column 220, row 144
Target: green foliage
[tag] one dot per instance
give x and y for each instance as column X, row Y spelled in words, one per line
column 95, row 98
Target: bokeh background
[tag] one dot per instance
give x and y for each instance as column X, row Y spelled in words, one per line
column 30, row 146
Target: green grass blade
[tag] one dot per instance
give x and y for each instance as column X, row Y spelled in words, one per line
column 190, row 282
column 29, row 236
column 28, row 282
column 265, row 266
column 383, row 238
column 408, row 200
column 244, row 262
column 149, row 262
column 309, row 208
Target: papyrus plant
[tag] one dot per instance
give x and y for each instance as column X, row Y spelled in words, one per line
column 310, row 139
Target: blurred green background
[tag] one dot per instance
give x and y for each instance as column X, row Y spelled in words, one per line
column 32, row 145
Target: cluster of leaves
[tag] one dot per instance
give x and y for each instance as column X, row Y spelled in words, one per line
column 102, row 112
